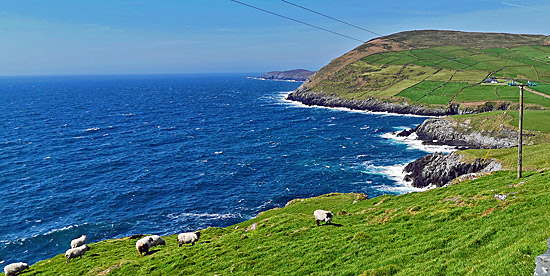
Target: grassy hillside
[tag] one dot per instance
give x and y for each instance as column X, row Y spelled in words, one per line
column 458, row 230
column 536, row 130
column 534, row 156
column 439, row 68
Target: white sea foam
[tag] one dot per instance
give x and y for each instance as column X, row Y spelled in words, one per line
column 274, row 79
column 62, row 229
column 413, row 142
column 92, row 129
column 283, row 99
column 204, row 216
column 395, row 173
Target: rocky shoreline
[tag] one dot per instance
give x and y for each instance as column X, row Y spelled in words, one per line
column 432, row 170
column 439, row 169
column 441, row 131
column 312, row 98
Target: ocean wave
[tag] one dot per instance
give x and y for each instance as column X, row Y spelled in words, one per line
column 203, row 216
column 92, row 129
column 395, row 173
column 401, row 189
column 413, row 142
column 22, row 240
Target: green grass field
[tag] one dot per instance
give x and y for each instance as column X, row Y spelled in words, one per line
column 543, row 87
column 411, row 74
column 534, row 157
column 458, row 230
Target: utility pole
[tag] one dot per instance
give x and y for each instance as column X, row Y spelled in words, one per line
column 520, row 135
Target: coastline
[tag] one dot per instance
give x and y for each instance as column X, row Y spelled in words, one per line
column 439, row 140
column 393, row 172
column 389, row 171
column 371, row 104
column 262, row 79
column 284, row 97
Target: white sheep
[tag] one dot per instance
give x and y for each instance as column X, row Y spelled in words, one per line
column 79, row 241
column 15, row 268
column 76, row 252
column 143, row 245
column 188, row 238
column 322, row 215
column 157, row 240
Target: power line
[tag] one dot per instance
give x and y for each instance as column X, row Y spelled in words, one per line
column 360, row 28
column 296, row 20
column 344, row 22
column 328, row 16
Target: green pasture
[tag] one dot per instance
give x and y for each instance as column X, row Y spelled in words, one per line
column 457, row 230
column 413, row 73
column 534, row 156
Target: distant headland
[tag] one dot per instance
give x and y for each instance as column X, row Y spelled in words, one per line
column 290, row 75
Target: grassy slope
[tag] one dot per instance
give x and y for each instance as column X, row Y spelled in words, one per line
column 458, row 230
column 536, row 155
column 455, row 62
column 535, row 128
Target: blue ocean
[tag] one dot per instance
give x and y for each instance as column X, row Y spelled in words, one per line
column 112, row 156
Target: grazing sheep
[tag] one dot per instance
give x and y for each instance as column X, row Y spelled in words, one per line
column 322, row 215
column 78, row 242
column 15, row 268
column 76, row 252
column 143, row 245
column 190, row 237
column 157, row 240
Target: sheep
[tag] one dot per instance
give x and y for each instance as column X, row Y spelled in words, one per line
column 157, row 240
column 79, row 241
column 188, row 238
column 322, row 215
column 76, row 252
column 143, row 245
column 15, row 268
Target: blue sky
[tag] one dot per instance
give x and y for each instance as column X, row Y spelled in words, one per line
column 206, row 36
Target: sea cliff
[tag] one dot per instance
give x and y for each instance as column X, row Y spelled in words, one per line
column 452, row 133
column 290, row 75
column 313, row 98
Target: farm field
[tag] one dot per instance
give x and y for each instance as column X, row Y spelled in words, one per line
column 439, row 76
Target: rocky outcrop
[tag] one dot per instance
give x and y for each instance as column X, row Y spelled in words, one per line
column 447, row 132
column 438, row 169
column 312, row 98
column 543, row 262
column 292, row 75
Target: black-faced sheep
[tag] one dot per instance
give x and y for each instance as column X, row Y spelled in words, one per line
column 143, row 245
column 76, row 252
column 190, row 237
column 157, row 240
column 79, row 241
column 322, row 215
column 15, row 268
